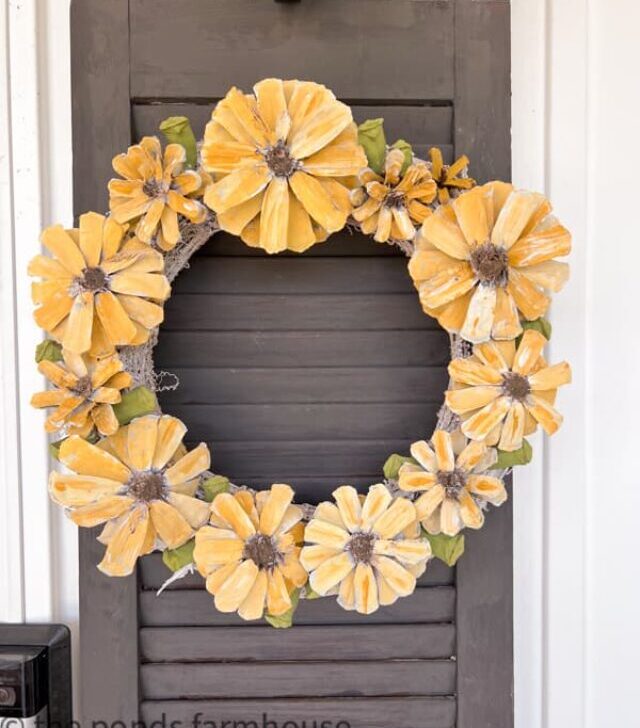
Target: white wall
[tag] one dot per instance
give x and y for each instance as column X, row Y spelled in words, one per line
column 576, row 106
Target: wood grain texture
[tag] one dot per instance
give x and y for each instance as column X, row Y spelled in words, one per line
column 194, row 608
column 360, row 49
column 338, row 712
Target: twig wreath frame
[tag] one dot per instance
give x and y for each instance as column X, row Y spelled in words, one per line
column 284, row 168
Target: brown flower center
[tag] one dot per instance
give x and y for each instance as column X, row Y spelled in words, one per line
column 453, row 481
column 262, row 551
column 279, row 160
column 490, row 264
column 93, row 280
column 394, row 200
column 83, row 388
column 146, row 486
column 155, row 187
column 515, row 385
column 361, row 547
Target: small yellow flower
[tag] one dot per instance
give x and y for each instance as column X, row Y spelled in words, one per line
column 249, row 554
column 485, row 260
column 99, row 290
column 154, row 191
column 503, row 393
column 390, row 207
column 83, row 395
column 452, row 474
column 448, row 177
column 360, row 549
column 281, row 157
column 129, row 483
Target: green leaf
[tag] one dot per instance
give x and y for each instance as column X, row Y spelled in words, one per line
column 407, row 150
column 213, row 486
column 540, row 324
column 446, row 548
column 310, row 594
column 175, row 559
column 371, row 139
column 284, row 621
column 54, row 448
column 135, row 403
column 521, row 456
column 48, row 350
column 392, row 466
column 177, row 130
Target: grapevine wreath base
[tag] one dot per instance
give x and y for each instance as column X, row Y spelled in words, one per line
column 284, row 168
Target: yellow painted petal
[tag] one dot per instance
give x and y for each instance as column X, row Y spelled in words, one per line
column 211, row 552
column 512, row 428
column 169, row 233
column 416, row 480
column 347, row 592
column 275, row 507
column 87, row 459
column 443, row 449
column 329, row 512
column 528, row 297
column 551, row 274
column 488, row 488
column 150, row 285
column 447, row 286
column 218, row 577
column 148, row 224
column 422, row 452
column 105, row 419
column 142, row 436
column 471, row 372
column 170, row 524
column 272, row 108
column 514, row 216
column 399, row 579
column 126, row 544
column 471, row 398
column 278, row 599
column 330, row 573
column 312, row 556
column 366, row 589
column 274, row 217
column 395, row 519
column 550, row 377
column 248, row 503
column 50, row 398
column 94, row 514
column 506, row 321
column 193, row 510
column 293, row 571
column 429, row 501
column 319, row 129
column 326, row 534
column 42, row 266
column 375, row 504
column 479, row 425
column 478, row 322
column 247, row 116
column 237, row 218
column 236, row 588
column 146, row 313
column 471, row 214
column 58, row 241
column 187, row 207
column 77, row 336
column 544, row 413
column 253, row 605
column 317, row 202
column 348, row 502
column 70, row 490
column 472, row 454
column 530, row 350
column 442, row 232
column 90, row 238
column 409, row 551
column 237, row 187
column 226, row 507
column 118, row 327
column 496, row 354
column 450, row 520
column 300, row 233
column 189, row 466
column 170, row 433
column 338, row 159
column 470, row 512
column 549, row 240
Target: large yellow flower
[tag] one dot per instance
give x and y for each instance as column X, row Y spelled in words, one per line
column 99, row 291
column 154, row 191
column 280, row 157
column 503, row 393
column 452, row 473
column 361, row 550
column 484, row 260
column 448, row 177
column 391, row 206
column 84, row 393
column 128, row 482
column 249, row 553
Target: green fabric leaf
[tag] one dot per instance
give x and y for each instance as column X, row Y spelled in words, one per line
column 521, row 456
column 407, row 150
column 310, row 594
column 540, row 324
column 54, row 448
column 371, row 139
column 392, row 466
column 177, row 130
column 135, row 403
column 446, row 548
column 175, row 559
column 48, row 350
column 213, row 486
column 284, row 621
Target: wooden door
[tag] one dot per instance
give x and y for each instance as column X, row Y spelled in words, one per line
column 303, row 369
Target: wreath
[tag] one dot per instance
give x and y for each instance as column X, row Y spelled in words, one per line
column 284, row 168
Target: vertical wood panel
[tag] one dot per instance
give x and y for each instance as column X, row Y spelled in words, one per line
column 101, row 127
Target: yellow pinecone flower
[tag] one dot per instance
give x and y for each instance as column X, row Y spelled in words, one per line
column 448, row 176
column 452, row 474
column 360, row 549
column 83, row 394
column 503, row 393
column 281, row 157
column 155, row 190
column 486, row 259
column 130, row 483
column 390, row 207
column 99, row 290
column 249, row 554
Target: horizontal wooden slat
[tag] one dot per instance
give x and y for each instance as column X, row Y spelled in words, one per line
column 313, row 312
column 195, row 49
column 305, row 421
column 153, row 574
column 420, row 125
column 331, row 384
column 194, row 608
column 302, row 349
column 334, row 712
column 301, row 275
column 298, row 679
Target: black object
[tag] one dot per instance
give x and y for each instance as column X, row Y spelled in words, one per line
column 35, row 671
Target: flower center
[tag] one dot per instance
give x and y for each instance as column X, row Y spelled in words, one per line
column 93, row 280
column 453, row 482
column 83, row 388
column 279, row 160
column 515, row 385
column 154, row 187
column 394, row 200
column 490, row 264
column 361, row 547
column 262, row 551
column 146, row 486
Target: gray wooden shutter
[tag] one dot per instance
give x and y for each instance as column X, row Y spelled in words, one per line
column 304, row 369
